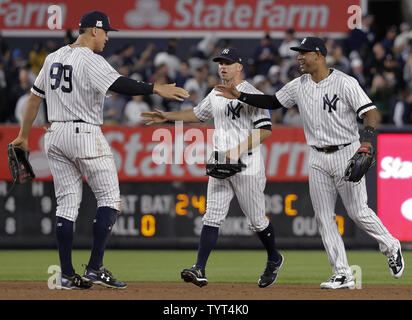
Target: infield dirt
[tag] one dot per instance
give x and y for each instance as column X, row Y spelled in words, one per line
column 213, row 291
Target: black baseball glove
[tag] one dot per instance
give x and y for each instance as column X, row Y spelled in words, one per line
column 220, row 167
column 360, row 163
column 19, row 165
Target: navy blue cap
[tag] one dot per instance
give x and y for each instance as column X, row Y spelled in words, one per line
column 228, row 54
column 96, row 19
column 310, row 44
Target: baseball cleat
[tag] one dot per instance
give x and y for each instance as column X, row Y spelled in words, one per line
column 194, row 275
column 103, row 277
column 73, row 283
column 338, row 282
column 396, row 264
column 270, row 273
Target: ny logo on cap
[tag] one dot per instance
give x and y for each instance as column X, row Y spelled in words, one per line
column 225, row 51
column 99, row 23
column 303, row 41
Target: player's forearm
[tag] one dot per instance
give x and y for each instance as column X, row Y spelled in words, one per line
column 130, row 87
column 371, row 118
column 368, row 134
column 183, row 115
column 256, row 138
column 29, row 115
column 262, row 101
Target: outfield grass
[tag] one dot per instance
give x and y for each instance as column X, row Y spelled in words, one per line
column 305, row 267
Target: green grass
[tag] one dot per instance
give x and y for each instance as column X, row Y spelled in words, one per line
column 300, row 267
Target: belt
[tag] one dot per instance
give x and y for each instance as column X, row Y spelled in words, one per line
column 330, row 149
column 74, row 121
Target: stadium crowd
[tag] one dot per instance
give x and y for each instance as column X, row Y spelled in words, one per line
column 382, row 66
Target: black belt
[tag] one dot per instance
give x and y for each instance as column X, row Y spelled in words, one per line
column 330, row 149
column 74, row 121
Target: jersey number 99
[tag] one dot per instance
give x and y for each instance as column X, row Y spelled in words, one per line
column 57, row 71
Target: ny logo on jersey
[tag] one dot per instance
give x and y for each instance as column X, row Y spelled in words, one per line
column 235, row 110
column 329, row 103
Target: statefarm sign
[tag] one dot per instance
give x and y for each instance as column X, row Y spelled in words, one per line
column 187, row 15
column 394, row 188
column 285, row 153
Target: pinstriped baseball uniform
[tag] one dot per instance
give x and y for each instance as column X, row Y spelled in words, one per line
column 328, row 110
column 74, row 81
column 234, row 122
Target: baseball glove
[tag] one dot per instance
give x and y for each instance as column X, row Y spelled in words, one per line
column 220, row 167
column 19, row 165
column 360, row 163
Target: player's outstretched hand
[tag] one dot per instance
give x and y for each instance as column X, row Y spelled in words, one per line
column 227, row 91
column 157, row 116
column 170, row 91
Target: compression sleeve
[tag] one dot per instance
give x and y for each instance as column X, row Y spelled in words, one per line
column 127, row 86
column 262, row 101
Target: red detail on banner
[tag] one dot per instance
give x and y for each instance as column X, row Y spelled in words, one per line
column 135, row 150
column 186, row 15
column 395, row 184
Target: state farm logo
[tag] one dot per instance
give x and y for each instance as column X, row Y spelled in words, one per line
column 406, row 209
column 147, row 13
column 27, row 14
column 227, row 14
column 395, row 168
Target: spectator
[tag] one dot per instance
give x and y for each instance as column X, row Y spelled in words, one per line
column 169, row 58
column 129, row 55
column 339, row 61
column 407, row 71
column 133, row 110
column 357, row 72
column 389, row 39
column 183, row 75
column 361, row 40
column 68, row 38
column 292, row 117
column 3, row 92
column 20, row 107
column 190, row 102
column 374, row 64
column 401, row 111
column 36, row 57
column 113, row 109
column 19, row 90
column 382, row 92
column 116, row 59
column 401, row 45
column 212, row 81
column 391, row 65
column 198, row 83
column 144, row 63
column 289, row 41
column 265, row 55
column 274, row 78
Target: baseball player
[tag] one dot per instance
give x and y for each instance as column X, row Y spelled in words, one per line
column 74, row 81
column 239, row 131
column 329, row 102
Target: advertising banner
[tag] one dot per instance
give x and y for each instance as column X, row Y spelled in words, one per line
column 155, row 17
column 395, row 184
column 171, row 153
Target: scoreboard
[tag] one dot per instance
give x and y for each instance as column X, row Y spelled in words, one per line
column 162, row 215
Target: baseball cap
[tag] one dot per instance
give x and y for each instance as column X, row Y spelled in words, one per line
column 96, row 19
column 228, row 54
column 310, row 44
